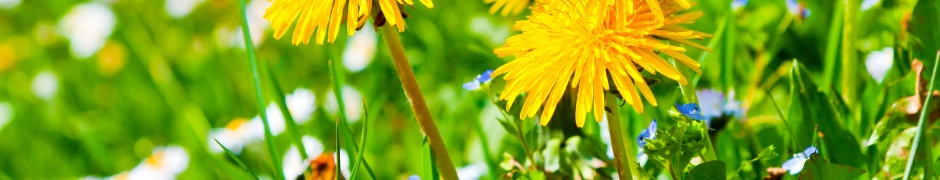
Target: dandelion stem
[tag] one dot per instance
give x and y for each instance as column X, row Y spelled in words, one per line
column 920, row 125
column 256, row 79
column 624, row 164
column 418, row 106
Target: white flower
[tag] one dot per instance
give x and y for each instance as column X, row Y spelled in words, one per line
column 45, row 85
column 472, row 171
column 9, row 4
column 293, row 164
column 879, row 62
column 302, row 104
column 352, row 101
column 6, row 114
column 180, row 8
column 360, row 50
column 236, row 135
column 88, row 26
column 256, row 24
column 165, row 163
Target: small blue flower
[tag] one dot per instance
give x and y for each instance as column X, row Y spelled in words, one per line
column 414, row 177
column 648, row 133
column 691, row 110
column 714, row 104
column 797, row 9
column 795, row 164
column 479, row 80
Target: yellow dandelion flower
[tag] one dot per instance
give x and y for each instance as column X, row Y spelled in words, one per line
column 326, row 16
column 583, row 43
column 508, row 6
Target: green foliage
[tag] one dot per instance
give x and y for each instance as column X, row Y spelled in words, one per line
column 810, row 110
column 709, row 170
column 818, row 167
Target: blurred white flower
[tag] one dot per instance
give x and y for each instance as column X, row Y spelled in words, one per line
column 360, row 50
column 351, row 98
column 302, row 104
column 165, row 163
column 344, row 163
column 293, row 164
column 275, row 119
column 797, row 9
column 6, row 114
column 867, row 4
column 9, row 4
column 181, row 8
column 472, row 171
column 236, row 135
column 256, row 25
column 88, row 26
column 45, row 85
column 711, row 102
column 879, row 62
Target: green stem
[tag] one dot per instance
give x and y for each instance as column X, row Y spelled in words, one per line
column 256, row 80
column 832, row 45
column 519, row 134
column 342, row 123
column 292, row 126
column 418, row 106
column 362, row 141
column 920, row 124
column 625, row 166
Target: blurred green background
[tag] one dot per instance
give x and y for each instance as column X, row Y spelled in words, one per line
column 94, row 88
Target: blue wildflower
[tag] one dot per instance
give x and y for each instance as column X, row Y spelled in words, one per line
column 867, row 4
column 479, row 80
column 414, row 177
column 714, row 104
column 648, row 133
column 691, row 110
column 795, row 164
column 797, row 9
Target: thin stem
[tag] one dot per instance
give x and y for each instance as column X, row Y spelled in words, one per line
column 342, row 121
column 256, row 79
column 362, row 141
column 624, row 164
column 418, row 106
column 525, row 145
column 920, row 124
column 292, row 126
column 786, row 124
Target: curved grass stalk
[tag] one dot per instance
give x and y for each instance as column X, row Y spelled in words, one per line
column 256, row 80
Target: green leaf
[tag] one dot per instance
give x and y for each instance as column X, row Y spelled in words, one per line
column 768, row 153
column 923, row 26
column 818, row 167
column 810, row 108
column 237, row 161
column 507, row 126
column 709, row 170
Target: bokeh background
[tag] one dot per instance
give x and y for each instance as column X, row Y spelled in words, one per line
column 108, row 88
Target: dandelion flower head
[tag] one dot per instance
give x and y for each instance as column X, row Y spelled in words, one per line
column 585, row 45
column 325, row 17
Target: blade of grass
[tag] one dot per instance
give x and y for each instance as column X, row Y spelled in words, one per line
column 292, row 127
column 920, row 125
column 237, row 161
column 362, row 140
column 849, row 55
column 342, row 122
column 338, row 173
column 256, row 79
column 727, row 56
column 832, row 45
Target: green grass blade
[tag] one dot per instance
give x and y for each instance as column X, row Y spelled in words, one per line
column 920, row 123
column 256, row 79
column 832, row 45
column 292, row 127
column 339, row 171
column 342, row 122
column 727, row 56
column 237, row 161
column 850, row 61
column 362, row 141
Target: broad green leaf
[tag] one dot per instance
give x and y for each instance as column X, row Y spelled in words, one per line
column 709, row 170
column 508, row 127
column 809, row 109
column 817, row 167
column 923, row 26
